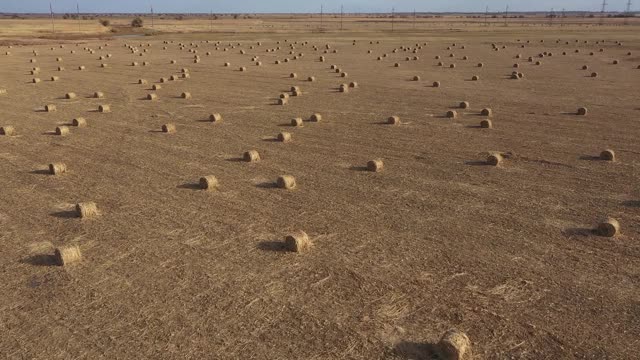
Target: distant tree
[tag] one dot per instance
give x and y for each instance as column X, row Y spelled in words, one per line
column 105, row 22
column 137, row 22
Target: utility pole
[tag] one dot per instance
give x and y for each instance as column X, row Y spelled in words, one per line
column 551, row 16
column 604, row 7
column 562, row 18
column 341, row 15
column 628, row 13
column 393, row 12
column 486, row 16
column 53, row 26
column 211, row 20
column 321, row 15
column 414, row 19
column 152, row 18
column 506, row 15
column 78, row 15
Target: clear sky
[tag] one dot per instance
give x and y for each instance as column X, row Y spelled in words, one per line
column 283, row 6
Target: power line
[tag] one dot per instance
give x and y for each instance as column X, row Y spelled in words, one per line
column 604, row 6
column 506, row 15
column 562, row 18
column 53, row 26
column 628, row 13
column 486, row 16
column 321, row 15
column 341, row 16
column 393, row 12
column 414, row 19
column 78, row 15
column 551, row 16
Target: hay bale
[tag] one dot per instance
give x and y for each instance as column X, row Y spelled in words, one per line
column 393, row 120
column 480, row 64
column 152, row 97
column 163, row 80
column 60, row 68
column 62, row 130
column 594, row 74
column 35, row 80
column 297, row 242
column 287, row 182
column 168, row 128
column 7, row 130
column 610, row 227
column 215, row 118
column 283, row 101
column 227, row 64
column 452, row 114
column 104, row 108
column 608, row 155
column 315, row 118
column 494, row 159
column 436, row 84
column 475, row 78
column 156, row 87
column 173, row 78
column 86, row 210
column 142, row 81
column 344, row 74
column 103, row 65
column 3, row 91
column 585, row 67
column 67, row 255
column 582, row 111
column 396, row 65
column 344, row 88
column 452, row 66
column 464, row 105
column 486, row 112
column 243, row 69
column 79, row 122
column 353, row 85
column 70, row 95
column 186, row 95
column 416, row 78
column 50, row 108
column 293, row 75
column 55, row 78
column 375, row 165
column 486, row 124
column 284, row 137
column 173, row 62
column 454, row 345
column 209, row 183
column 251, row 156
column 57, row 168
column 615, row 62
column 311, row 78
column 98, row 95
column 297, row 122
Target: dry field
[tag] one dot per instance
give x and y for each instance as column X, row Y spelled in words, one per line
column 437, row 240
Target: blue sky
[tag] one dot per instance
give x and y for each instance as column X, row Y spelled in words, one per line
column 261, row 6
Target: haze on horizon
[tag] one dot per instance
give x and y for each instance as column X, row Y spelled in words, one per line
column 311, row 6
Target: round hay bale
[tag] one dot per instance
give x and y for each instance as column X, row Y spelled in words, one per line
column 344, row 88
column 173, row 62
column 353, row 85
column 55, row 78
column 173, row 78
column 454, row 345
column 186, row 95
column 70, row 95
column 168, row 128
column 57, row 168
column 258, row 63
column 452, row 114
column 277, row 62
column 594, row 74
column 142, row 81
column 35, row 80
column 582, row 111
column 152, row 97
column 296, row 93
column 293, row 75
column 284, row 96
column 480, row 64
column 440, row 63
column 215, row 118
column 585, row 67
column 227, row 64
column 67, row 255
column 486, row 124
column 60, row 68
column 452, row 66
column 322, row 59
column 297, row 122
column 251, row 156
column 287, row 182
column 297, row 242
column 616, row 62
column 86, row 210
column 7, row 130
column 284, row 137
column 98, row 95
column 315, row 118
column 393, row 120
column 156, row 87
column 103, row 65
column 104, row 108
column 311, row 79
column 608, row 155
column 475, row 78
column 50, row 108
column 486, row 112
column 344, row 74
column 538, row 63
column 134, row 63
column 295, row 89
column 145, row 63
column 283, row 101
column 209, row 183
column 375, row 165
column 436, row 84
column 609, row 227
column 494, row 159
column 243, row 69
column 79, row 122
column 516, row 65
column 396, row 65
column 464, row 105
column 416, row 78
column 62, row 130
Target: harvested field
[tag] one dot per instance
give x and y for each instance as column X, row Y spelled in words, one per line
column 511, row 255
